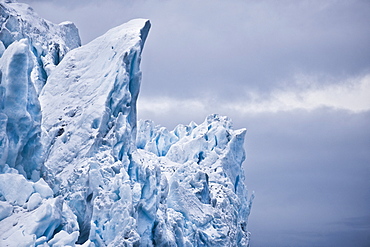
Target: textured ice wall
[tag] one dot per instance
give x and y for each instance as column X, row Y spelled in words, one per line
column 29, row 215
column 205, row 201
column 30, row 48
column 108, row 181
column 90, row 120
column 48, row 42
column 20, row 112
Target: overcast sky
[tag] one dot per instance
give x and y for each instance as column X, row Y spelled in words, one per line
column 296, row 74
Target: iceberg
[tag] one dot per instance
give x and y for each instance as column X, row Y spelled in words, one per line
column 76, row 166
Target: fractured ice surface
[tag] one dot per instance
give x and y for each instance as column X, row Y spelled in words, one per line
column 34, row 47
column 48, row 42
column 78, row 169
column 20, row 112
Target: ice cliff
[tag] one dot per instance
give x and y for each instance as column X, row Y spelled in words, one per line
column 78, row 169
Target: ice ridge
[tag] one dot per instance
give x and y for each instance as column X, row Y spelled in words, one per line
column 78, row 169
column 30, row 48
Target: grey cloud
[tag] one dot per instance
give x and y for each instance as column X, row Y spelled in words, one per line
column 227, row 49
column 310, row 171
column 260, row 52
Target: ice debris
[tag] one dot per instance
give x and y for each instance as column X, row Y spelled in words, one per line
column 78, row 169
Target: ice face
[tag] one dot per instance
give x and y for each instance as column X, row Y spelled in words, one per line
column 95, row 107
column 78, row 169
column 15, row 188
column 29, row 47
column 91, row 119
column 205, row 192
column 20, row 112
column 28, row 213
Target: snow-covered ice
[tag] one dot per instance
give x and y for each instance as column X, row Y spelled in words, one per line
column 76, row 166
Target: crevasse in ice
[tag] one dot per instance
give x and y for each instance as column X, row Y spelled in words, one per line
column 78, row 169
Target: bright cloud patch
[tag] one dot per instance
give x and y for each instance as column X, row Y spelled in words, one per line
column 353, row 95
